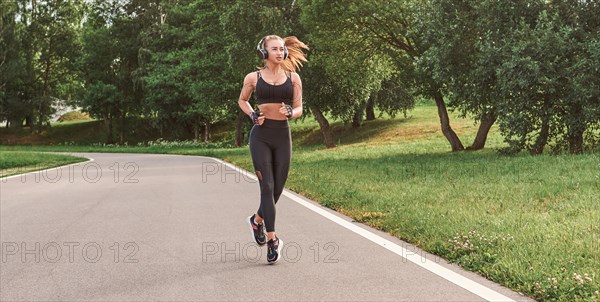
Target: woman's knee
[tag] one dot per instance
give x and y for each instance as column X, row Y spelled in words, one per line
column 267, row 186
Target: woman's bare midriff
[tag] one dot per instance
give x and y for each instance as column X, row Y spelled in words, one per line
column 271, row 111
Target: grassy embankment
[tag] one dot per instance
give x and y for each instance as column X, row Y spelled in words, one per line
column 18, row 162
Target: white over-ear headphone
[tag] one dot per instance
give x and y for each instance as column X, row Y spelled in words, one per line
column 263, row 54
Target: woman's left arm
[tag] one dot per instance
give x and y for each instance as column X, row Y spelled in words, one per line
column 297, row 96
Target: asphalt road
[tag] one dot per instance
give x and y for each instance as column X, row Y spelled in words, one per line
column 139, row 227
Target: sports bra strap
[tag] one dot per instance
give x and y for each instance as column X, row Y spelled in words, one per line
column 287, row 73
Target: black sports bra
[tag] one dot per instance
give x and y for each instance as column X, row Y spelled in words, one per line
column 267, row 93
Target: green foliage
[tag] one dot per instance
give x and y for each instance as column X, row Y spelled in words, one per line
column 15, row 93
column 102, row 100
column 540, row 103
column 395, row 95
column 347, row 66
column 114, row 35
column 520, row 61
column 531, row 65
column 39, row 51
column 186, row 80
column 160, row 143
column 54, row 31
column 246, row 22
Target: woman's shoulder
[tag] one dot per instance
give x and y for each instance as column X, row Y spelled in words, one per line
column 252, row 74
column 294, row 76
column 251, row 77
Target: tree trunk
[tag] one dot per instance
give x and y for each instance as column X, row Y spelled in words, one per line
column 542, row 139
column 576, row 141
column 576, row 130
column 42, row 108
column 122, row 128
column 357, row 118
column 324, row 126
column 487, row 121
column 41, row 113
column 163, row 18
column 196, row 129
column 239, row 128
column 370, row 109
column 450, row 135
column 206, row 132
column 109, row 128
column 28, row 121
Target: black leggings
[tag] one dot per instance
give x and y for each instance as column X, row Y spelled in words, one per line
column 271, row 150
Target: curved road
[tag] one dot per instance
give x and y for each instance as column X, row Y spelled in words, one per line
column 140, row 227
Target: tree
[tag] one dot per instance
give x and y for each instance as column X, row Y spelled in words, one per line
column 244, row 23
column 115, row 39
column 544, row 100
column 54, row 28
column 40, row 62
column 103, row 101
column 385, row 29
column 586, row 73
column 99, row 66
column 15, row 94
column 584, row 91
column 187, row 80
column 351, row 69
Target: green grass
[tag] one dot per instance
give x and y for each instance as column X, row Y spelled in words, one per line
column 17, row 162
column 526, row 219
column 530, row 223
column 546, row 208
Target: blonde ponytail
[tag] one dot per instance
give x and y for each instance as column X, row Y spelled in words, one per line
column 295, row 54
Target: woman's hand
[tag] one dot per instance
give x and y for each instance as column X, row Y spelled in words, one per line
column 286, row 110
column 257, row 118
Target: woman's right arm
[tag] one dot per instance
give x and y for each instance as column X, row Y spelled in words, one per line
column 249, row 85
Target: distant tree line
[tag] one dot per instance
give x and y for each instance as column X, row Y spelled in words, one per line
column 532, row 67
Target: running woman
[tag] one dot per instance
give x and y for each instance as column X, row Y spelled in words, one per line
column 278, row 92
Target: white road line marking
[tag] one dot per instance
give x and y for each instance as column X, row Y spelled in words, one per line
column 458, row 279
